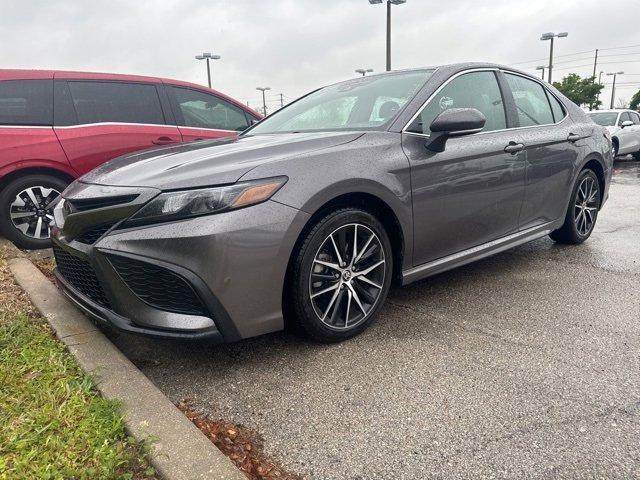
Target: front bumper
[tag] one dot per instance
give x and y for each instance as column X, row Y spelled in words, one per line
column 235, row 263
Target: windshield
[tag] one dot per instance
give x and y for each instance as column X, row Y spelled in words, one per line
column 362, row 103
column 606, row 119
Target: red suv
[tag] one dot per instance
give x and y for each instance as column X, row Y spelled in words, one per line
column 56, row 126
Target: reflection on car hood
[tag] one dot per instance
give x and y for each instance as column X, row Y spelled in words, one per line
column 209, row 162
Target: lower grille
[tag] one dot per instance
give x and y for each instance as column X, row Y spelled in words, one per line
column 157, row 286
column 80, row 275
column 91, row 236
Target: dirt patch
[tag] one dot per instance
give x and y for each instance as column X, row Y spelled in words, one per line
column 243, row 446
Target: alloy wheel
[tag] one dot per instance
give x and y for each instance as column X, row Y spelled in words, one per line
column 347, row 276
column 31, row 211
column 586, row 205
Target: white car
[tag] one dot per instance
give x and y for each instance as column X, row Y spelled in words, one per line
column 624, row 126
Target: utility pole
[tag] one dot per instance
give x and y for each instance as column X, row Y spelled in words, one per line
column 613, row 88
column 595, row 64
column 389, row 3
column 363, row 71
column 264, row 100
column 281, row 100
column 599, row 83
column 207, row 56
column 551, row 36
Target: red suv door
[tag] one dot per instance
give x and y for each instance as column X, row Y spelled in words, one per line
column 97, row 120
column 203, row 115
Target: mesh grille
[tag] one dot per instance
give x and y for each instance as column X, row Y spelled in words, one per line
column 91, row 236
column 157, row 286
column 80, row 275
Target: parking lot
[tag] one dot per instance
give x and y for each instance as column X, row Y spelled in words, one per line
column 525, row 364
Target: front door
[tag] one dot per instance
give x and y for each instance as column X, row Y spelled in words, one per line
column 472, row 192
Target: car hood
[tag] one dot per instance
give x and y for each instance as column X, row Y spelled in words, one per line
column 209, row 162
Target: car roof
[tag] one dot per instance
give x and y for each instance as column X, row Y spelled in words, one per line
column 17, row 74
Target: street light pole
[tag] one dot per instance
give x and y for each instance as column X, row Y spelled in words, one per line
column 207, row 56
column 389, row 3
column 551, row 36
column 541, row 67
column 613, row 88
column 264, row 100
column 363, row 71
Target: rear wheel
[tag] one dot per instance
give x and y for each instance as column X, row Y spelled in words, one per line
column 636, row 156
column 342, row 275
column 582, row 212
column 26, row 209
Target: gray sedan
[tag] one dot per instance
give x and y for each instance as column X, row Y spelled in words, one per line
column 310, row 215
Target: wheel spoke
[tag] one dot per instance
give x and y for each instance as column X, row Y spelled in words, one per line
column 357, row 299
column 328, row 264
column 366, row 280
column 331, row 302
column 326, row 290
column 16, row 215
column 346, row 316
column 355, row 244
column 335, row 248
column 336, row 307
column 363, row 249
column 366, row 271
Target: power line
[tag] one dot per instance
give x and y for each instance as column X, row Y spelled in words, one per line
column 574, row 53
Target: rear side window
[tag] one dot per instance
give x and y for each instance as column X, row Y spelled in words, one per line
column 531, row 101
column 99, row 102
column 635, row 118
column 202, row 110
column 477, row 90
column 26, row 102
column 556, row 108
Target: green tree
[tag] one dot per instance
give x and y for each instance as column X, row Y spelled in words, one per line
column 581, row 91
column 635, row 101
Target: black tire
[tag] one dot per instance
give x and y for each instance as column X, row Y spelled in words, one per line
column 573, row 231
column 8, row 195
column 636, row 156
column 615, row 149
column 304, row 311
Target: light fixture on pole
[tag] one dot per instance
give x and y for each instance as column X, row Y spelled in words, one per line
column 551, row 36
column 364, row 71
column 264, row 100
column 541, row 67
column 613, row 88
column 389, row 3
column 207, row 56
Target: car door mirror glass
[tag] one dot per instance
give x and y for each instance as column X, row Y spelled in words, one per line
column 454, row 122
column 626, row 123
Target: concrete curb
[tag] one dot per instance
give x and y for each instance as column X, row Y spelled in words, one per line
column 180, row 451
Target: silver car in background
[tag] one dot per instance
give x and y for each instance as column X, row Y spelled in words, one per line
column 624, row 127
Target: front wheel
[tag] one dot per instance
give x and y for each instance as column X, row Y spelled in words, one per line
column 582, row 212
column 26, row 206
column 342, row 275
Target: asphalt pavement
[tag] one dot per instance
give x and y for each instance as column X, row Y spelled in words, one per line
column 523, row 365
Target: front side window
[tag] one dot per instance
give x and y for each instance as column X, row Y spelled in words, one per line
column 531, row 101
column 100, row 102
column 624, row 117
column 606, row 119
column 202, row 110
column 26, row 102
column 360, row 104
column 477, row 90
column 635, row 118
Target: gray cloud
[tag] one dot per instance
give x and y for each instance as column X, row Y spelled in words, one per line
column 294, row 46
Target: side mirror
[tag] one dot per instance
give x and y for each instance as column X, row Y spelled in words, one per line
column 454, row 122
column 626, row 123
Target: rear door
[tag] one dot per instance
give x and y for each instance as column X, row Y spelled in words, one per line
column 203, row 115
column 627, row 136
column 98, row 120
column 635, row 118
column 551, row 143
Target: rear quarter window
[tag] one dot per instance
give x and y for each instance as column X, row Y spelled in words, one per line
column 26, row 102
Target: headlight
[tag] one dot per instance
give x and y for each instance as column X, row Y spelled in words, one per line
column 178, row 205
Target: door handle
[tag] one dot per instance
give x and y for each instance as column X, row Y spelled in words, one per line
column 573, row 137
column 163, row 141
column 514, row 148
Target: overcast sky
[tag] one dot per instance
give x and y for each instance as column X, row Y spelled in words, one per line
column 293, row 46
